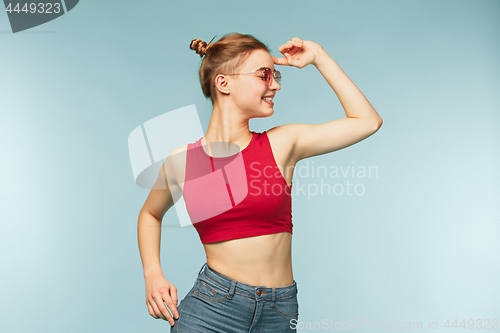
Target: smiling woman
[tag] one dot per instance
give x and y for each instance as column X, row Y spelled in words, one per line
column 247, row 283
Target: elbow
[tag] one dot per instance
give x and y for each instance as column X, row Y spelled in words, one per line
column 378, row 123
column 374, row 123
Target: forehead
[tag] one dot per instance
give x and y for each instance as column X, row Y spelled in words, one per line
column 257, row 59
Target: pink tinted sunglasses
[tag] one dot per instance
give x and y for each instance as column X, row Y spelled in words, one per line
column 267, row 74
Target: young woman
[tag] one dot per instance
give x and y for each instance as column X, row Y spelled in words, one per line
column 247, row 283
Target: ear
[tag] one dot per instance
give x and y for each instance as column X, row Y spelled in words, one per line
column 222, row 84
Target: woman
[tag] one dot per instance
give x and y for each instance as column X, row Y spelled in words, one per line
column 247, row 283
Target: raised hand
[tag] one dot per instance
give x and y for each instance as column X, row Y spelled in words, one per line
column 298, row 53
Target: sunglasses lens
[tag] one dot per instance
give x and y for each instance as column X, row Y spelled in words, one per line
column 277, row 77
column 269, row 74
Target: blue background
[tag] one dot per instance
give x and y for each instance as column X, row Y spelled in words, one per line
column 420, row 244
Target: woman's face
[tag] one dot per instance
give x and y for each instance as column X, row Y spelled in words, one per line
column 248, row 91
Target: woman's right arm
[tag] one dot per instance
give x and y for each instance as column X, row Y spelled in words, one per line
column 158, row 289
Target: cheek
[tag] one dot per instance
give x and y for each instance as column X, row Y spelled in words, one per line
column 258, row 92
column 252, row 95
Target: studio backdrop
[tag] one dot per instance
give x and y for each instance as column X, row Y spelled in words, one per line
column 399, row 231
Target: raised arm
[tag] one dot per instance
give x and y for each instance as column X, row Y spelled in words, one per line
column 317, row 139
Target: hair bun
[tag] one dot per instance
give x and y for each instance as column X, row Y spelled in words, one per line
column 199, row 46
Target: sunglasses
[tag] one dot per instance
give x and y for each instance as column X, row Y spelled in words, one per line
column 266, row 74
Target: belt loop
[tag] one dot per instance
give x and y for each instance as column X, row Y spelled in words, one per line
column 231, row 290
column 273, row 297
column 205, row 264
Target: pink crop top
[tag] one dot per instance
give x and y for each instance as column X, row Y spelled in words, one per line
column 238, row 196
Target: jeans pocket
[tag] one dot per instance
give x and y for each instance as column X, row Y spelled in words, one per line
column 287, row 307
column 210, row 291
column 180, row 307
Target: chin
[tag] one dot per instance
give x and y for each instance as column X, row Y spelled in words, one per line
column 264, row 114
column 269, row 113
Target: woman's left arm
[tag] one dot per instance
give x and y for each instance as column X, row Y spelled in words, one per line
column 362, row 119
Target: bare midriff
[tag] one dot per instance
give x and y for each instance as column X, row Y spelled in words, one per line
column 259, row 261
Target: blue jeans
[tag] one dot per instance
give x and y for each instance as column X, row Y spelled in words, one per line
column 219, row 304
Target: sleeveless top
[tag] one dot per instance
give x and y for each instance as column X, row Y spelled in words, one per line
column 238, row 196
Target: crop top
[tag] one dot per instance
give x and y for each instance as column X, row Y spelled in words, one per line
column 237, row 196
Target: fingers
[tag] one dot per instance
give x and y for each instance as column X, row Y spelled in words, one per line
column 286, row 60
column 171, row 300
column 151, row 311
column 161, row 296
column 289, row 50
column 161, row 310
column 156, row 313
column 296, row 43
column 279, row 61
column 172, row 306
column 157, row 308
column 173, row 295
column 292, row 46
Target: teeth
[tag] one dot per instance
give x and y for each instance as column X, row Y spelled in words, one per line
column 268, row 99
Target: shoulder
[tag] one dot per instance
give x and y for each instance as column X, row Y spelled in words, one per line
column 282, row 130
column 179, row 150
column 175, row 164
column 282, row 139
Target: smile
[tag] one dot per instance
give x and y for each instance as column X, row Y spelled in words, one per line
column 268, row 100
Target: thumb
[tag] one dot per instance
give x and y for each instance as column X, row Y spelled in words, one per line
column 289, row 58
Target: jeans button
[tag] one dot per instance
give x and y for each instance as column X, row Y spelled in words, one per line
column 259, row 292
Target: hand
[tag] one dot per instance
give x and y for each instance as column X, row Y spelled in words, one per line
column 298, row 53
column 159, row 290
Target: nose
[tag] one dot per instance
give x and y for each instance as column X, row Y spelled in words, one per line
column 274, row 85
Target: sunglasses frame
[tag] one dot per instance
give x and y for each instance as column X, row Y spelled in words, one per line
column 263, row 71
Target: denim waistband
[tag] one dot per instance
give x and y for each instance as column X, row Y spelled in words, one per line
column 257, row 292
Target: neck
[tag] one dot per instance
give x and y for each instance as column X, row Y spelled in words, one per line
column 228, row 125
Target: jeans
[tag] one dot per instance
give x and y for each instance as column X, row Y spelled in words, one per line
column 218, row 304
